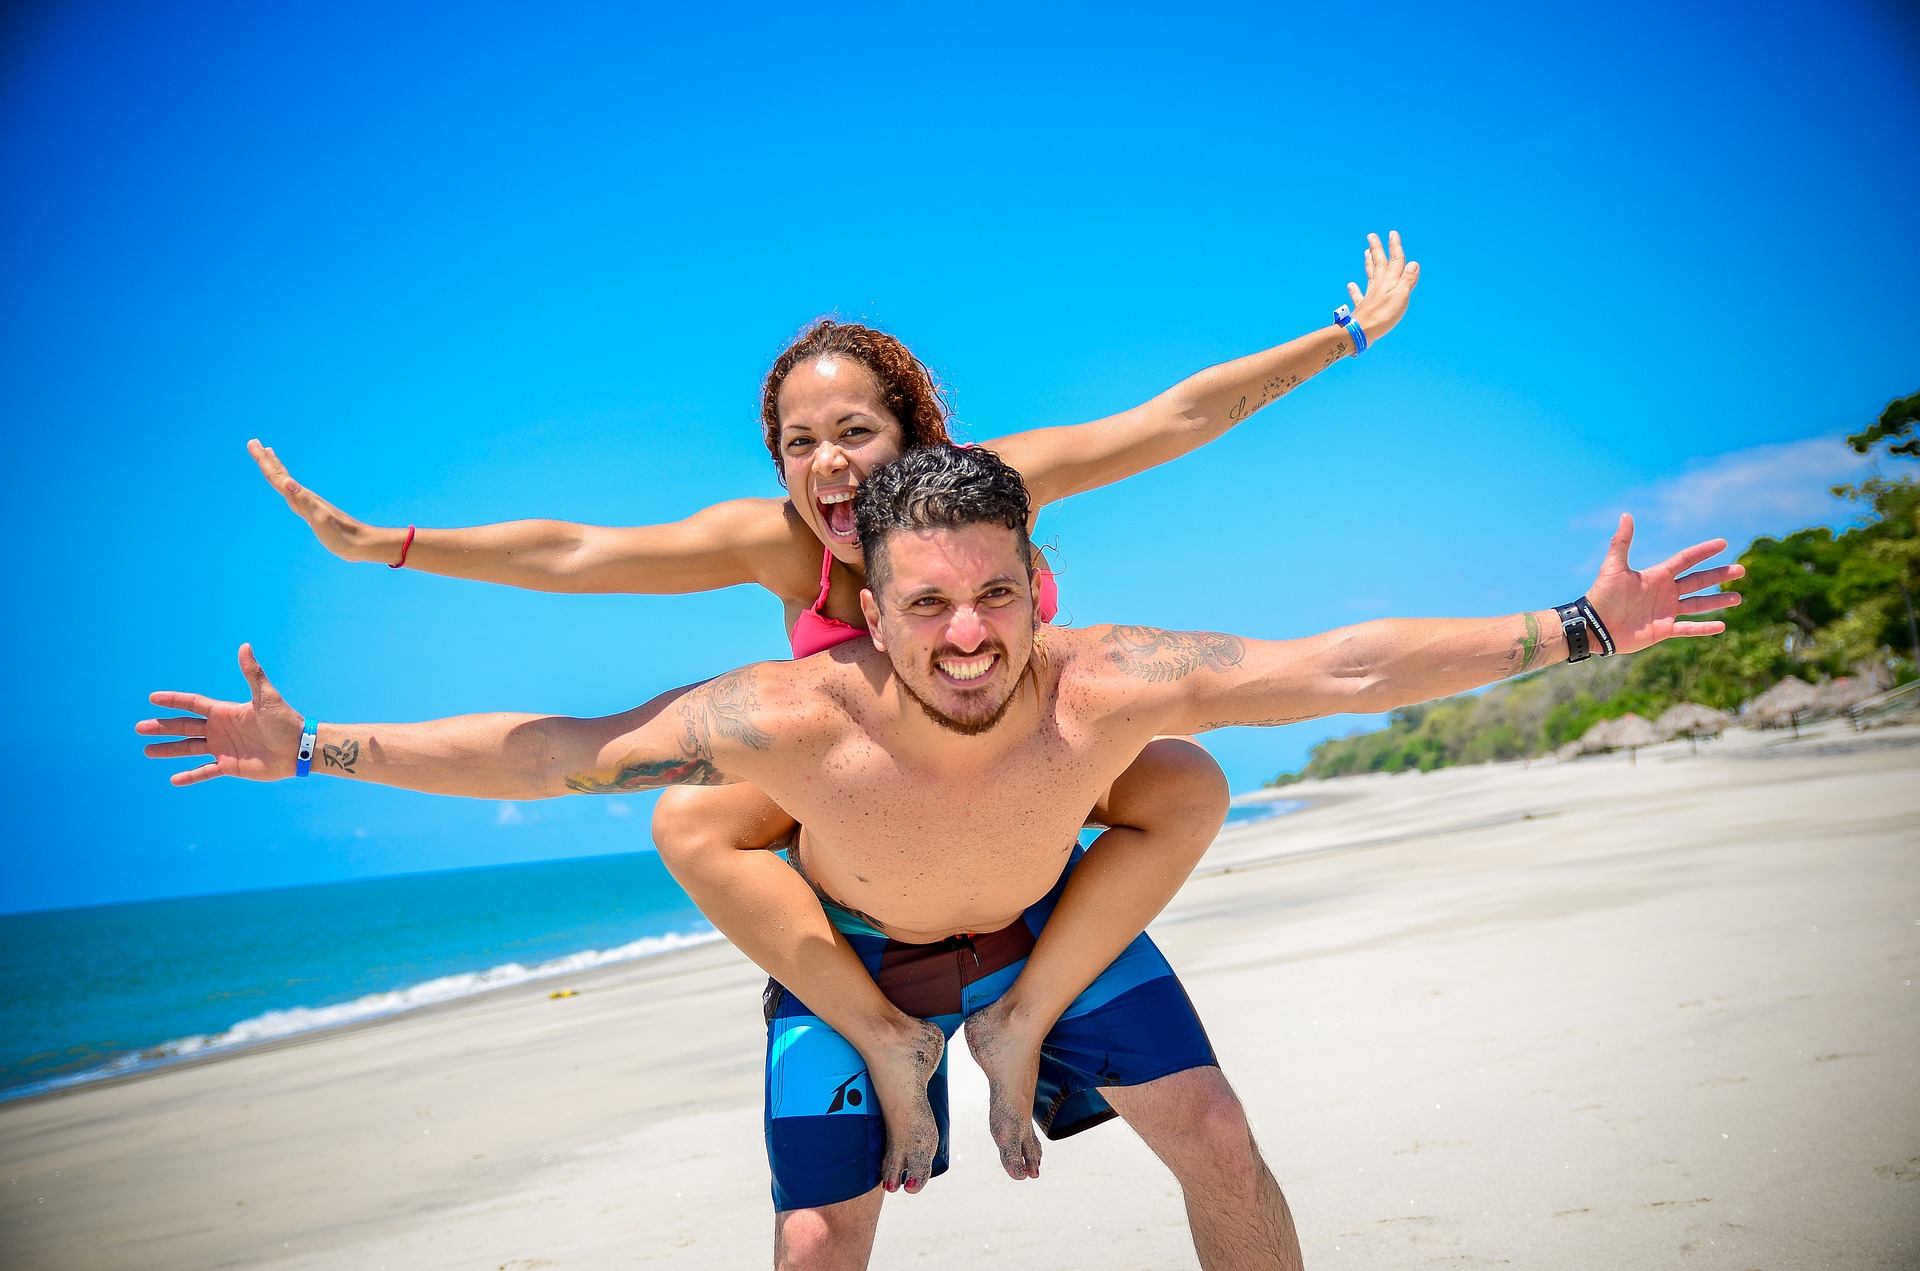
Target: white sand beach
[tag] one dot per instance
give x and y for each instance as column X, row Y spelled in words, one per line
column 1597, row 1014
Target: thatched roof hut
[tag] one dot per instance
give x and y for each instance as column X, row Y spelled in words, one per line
column 1784, row 705
column 1596, row 740
column 1842, row 694
column 1691, row 719
column 1628, row 732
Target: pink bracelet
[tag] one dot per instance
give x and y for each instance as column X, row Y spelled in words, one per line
column 404, row 549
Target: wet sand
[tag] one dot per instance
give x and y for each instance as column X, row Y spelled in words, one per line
column 1597, row 1014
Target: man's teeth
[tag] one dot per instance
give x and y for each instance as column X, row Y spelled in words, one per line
column 970, row 669
column 838, row 496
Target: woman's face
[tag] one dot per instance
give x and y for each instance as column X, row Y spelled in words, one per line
column 834, row 430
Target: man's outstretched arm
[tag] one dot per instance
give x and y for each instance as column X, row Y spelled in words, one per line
column 690, row 736
column 1223, row 680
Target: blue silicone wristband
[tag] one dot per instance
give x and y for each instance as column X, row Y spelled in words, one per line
column 303, row 763
column 1344, row 316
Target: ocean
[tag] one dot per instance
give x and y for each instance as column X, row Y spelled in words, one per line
column 90, row 993
column 86, row 993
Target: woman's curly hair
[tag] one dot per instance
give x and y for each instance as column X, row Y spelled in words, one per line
column 906, row 385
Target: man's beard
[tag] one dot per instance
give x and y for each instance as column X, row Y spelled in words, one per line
column 965, row 727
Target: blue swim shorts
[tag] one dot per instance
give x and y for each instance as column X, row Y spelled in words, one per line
column 825, row 1135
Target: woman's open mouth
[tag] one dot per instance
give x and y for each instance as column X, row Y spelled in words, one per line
column 836, row 509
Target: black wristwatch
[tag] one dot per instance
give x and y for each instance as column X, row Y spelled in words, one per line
column 1574, row 623
column 1586, row 634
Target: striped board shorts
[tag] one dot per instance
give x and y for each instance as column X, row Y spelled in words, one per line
column 825, row 1135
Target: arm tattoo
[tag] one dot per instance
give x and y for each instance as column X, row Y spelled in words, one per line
column 725, row 706
column 1527, row 649
column 1152, row 654
column 1251, row 723
column 343, row 756
column 1272, row 391
column 646, row 774
column 1276, row 388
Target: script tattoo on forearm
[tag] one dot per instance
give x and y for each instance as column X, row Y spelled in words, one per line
column 343, row 756
column 1276, row 388
column 1272, row 391
column 1528, row 649
column 1252, row 723
column 1152, row 654
column 725, row 706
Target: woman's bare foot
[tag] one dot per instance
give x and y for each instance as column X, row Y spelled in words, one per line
column 1008, row 1051
column 899, row 1071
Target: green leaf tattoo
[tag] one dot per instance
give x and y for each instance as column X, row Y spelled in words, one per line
column 1528, row 650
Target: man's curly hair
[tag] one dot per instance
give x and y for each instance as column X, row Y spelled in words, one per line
column 937, row 487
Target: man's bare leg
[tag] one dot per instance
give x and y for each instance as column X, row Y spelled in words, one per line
column 1163, row 813
column 830, row 1238
column 1194, row 1123
column 715, row 841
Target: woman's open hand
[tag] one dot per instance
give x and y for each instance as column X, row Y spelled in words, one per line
column 344, row 536
column 1391, row 278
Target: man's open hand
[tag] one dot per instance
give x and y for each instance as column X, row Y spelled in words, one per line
column 1391, row 278
column 258, row 739
column 1639, row 606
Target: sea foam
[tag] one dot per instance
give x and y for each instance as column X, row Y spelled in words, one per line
column 306, row 1019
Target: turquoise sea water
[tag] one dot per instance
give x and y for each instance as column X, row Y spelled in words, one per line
column 86, row 993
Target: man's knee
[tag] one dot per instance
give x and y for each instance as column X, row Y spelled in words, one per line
column 1210, row 1136
column 830, row 1238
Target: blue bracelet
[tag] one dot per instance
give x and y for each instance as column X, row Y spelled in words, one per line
column 1344, row 317
column 309, row 728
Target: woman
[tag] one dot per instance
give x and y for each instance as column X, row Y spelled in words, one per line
column 840, row 401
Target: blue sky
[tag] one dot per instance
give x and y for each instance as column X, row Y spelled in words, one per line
column 466, row 263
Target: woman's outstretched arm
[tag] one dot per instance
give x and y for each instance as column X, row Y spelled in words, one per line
column 719, row 546
column 1058, row 462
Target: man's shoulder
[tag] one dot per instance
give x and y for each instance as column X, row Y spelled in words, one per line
column 785, row 699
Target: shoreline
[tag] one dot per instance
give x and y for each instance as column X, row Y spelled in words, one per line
column 141, row 1063
column 533, row 984
column 1578, row 1014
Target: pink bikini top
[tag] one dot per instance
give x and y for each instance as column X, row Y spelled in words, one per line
column 814, row 631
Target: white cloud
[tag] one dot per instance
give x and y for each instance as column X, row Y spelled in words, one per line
column 619, row 807
column 509, row 815
column 1772, row 489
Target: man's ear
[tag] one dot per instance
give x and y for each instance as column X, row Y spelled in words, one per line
column 871, row 609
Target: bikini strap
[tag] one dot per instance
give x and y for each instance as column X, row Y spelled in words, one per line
column 826, row 577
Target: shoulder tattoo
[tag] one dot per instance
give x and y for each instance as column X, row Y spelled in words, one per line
column 1149, row 653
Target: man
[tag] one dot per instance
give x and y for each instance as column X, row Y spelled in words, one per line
column 959, row 716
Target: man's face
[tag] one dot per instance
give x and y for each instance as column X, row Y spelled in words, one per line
column 834, row 430
column 956, row 621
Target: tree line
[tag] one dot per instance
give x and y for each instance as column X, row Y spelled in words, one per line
column 1816, row 604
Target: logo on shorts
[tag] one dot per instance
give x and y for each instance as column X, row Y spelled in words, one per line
column 846, row 1096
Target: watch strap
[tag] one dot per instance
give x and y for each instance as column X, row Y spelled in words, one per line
column 1574, row 622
